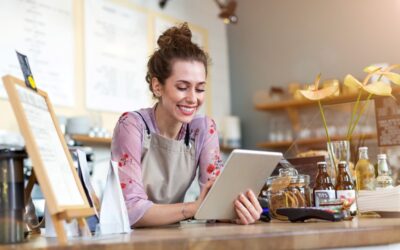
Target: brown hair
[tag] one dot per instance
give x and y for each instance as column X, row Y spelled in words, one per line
column 175, row 43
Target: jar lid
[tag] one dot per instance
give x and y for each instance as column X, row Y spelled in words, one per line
column 295, row 179
column 7, row 151
column 288, row 174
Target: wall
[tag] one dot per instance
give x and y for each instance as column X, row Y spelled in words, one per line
column 203, row 14
column 276, row 42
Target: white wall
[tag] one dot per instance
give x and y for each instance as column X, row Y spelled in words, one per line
column 277, row 42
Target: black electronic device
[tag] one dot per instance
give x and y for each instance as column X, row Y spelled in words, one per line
column 303, row 214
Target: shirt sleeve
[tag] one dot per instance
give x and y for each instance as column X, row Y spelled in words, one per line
column 126, row 149
column 210, row 162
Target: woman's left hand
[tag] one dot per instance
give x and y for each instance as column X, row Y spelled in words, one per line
column 247, row 208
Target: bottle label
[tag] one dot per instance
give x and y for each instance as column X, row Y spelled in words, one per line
column 349, row 197
column 320, row 195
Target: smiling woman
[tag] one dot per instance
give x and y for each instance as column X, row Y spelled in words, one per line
column 159, row 149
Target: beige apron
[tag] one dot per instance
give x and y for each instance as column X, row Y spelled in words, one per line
column 168, row 166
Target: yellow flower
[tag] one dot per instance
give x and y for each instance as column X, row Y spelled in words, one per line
column 315, row 94
column 393, row 77
column 374, row 88
column 378, row 88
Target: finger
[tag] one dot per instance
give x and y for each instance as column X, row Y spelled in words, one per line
column 244, row 211
column 242, row 219
column 252, row 197
column 249, row 207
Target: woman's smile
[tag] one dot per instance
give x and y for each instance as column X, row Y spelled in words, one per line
column 187, row 110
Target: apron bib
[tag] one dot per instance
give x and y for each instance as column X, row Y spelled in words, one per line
column 168, row 167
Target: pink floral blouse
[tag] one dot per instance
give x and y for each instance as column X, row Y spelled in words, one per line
column 126, row 149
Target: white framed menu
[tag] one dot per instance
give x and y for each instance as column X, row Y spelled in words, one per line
column 116, row 53
column 44, row 31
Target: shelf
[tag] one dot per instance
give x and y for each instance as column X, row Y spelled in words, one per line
column 303, row 142
column 343, row 98
column 93, row 141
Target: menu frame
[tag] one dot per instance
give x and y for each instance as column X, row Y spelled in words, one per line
column 58, row 212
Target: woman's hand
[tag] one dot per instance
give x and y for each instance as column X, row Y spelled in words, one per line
column 204, row 192
column 247, row 208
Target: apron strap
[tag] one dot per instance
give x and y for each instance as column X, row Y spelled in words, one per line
column 187, row 134
column 147, row 127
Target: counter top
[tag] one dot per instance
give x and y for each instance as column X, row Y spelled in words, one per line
column 274, row 235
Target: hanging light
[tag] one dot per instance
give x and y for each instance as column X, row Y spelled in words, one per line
column 162, row 3
column 228, row 11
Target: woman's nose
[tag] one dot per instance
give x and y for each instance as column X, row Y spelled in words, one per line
column 191, row 97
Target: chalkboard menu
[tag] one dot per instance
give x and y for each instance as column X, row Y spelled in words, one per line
column 387, row 113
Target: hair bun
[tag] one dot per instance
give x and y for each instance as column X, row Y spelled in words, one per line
column 175, row 36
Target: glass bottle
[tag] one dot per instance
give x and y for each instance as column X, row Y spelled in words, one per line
column 365, row 172
column 345, row 188
column 323, row 188
column 384, row 180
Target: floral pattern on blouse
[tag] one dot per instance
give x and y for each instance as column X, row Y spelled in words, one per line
column 126, row 149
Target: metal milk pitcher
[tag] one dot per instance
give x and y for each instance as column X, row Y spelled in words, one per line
column 12, row 207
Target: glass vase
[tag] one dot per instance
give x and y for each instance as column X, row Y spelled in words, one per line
column 337, row 151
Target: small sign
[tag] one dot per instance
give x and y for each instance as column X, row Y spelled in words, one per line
column 387, row 113
column 26, row 71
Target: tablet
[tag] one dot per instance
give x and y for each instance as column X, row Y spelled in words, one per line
column 244, row 169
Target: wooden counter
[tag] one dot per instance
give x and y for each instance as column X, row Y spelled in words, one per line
column 274, row 235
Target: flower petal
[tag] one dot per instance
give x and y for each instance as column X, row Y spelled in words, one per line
column 351, row 82
column 379, row 88
column 371, row 69
column 319, row 94
column 393, row 77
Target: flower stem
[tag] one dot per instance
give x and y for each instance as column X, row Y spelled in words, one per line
column 360, row 114
column 324, row 120
column 352, row 115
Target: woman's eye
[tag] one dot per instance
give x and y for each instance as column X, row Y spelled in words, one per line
column 200, row 90
column 181, row 88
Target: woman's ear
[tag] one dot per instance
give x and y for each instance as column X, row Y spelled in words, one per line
column 156, row 87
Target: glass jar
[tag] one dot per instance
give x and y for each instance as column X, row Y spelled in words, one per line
column 287, row 190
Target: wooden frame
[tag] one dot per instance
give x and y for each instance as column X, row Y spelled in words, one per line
column 76, row 204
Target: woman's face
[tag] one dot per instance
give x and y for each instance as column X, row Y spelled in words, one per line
column 183, row 92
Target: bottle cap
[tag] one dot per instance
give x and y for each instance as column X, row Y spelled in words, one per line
column 342, row 163
column 321, row 163
column 382, row 157
column 363, row 148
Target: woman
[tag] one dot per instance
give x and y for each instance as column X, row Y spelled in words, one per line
column 159, row 149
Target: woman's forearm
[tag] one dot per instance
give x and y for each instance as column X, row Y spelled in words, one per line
column 164, row 214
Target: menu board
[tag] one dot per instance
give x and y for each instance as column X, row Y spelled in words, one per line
column 387, row 113
column 51, row 151
column 42, row 30
column 116, row 54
